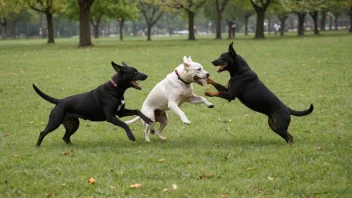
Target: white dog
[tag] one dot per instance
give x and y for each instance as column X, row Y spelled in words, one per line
column 171, row 93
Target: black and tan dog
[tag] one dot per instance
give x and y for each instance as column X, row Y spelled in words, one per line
column 100, row 104
column 245, row 85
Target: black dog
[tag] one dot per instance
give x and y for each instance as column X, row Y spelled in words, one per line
column 100, row 104
column 246, row 86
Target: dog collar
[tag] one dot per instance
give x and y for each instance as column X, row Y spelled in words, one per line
column 178, row 76
column 115, row 85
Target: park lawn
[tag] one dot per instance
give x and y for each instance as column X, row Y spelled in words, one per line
column 226, row 151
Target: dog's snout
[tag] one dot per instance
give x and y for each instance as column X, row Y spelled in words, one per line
column 208, row 75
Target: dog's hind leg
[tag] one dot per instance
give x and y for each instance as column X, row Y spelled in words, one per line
column 55, row 119
column 148, row 127
column 162, row 118
column 71, row 125
column 279, row 124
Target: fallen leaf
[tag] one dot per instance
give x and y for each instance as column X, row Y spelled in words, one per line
column 174, row 186
column 66, row 153
column 136, row 186
column 15, row 155
column 223, row 195
column 189, row 163
column 250, row 168
column 5, row 135
column 334, row 125
column 91, row 180
column 112, row 187
column 300, row 150
column 31, row 122
column 165, row 190
column 319, row 148
column 271, row 178
column 205, row 176
column 161, row 160
column 48, row 194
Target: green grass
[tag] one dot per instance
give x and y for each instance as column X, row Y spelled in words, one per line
column 221, row 143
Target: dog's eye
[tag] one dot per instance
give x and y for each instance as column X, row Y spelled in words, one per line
column 221, row 57
column 199, row 69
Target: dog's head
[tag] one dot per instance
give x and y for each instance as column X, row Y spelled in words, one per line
column 230, row 61
column 127, row 76
column 195, row 71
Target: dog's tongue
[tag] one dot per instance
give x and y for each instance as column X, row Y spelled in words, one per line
column 135, row 84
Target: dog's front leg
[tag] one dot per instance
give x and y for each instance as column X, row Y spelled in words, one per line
column 174, row 107
column 199, row 99
column 217, row 85
column 130, row 112
column 225, row 95
column 110, row 117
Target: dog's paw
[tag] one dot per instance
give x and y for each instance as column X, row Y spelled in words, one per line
column 148, row 120
column 211, row 106
column 186, row 122
column 207, row 93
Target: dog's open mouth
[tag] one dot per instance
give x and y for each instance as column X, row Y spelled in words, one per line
column 200, row 81
column 222, row 68
column 135, row 85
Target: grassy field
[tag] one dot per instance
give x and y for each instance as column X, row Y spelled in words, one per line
column 228, row 151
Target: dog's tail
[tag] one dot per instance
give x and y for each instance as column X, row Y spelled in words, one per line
column 301, row 113
column 44, row 96
column 128, row 122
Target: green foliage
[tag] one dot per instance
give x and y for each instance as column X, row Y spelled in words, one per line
column 228, row 150
column 7, row 7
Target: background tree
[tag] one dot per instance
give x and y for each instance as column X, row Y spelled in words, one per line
column 190, row 7
column 49, row 8
column 260, row 7
column 300, row 8
column 219, row 7
column 84, row 18
column 123, row 10
column 7, row 7
column 152, row 11
column 282, row 14
column 316, row 6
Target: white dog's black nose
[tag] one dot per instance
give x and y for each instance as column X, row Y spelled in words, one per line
column 208, row 75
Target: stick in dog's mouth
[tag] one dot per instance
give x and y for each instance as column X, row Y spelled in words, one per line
column 200, row 81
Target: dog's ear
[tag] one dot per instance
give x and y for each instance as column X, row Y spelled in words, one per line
column 124, row 64
column 189, row 59
column 116, row 67
column 185, row 63
column 232, row 51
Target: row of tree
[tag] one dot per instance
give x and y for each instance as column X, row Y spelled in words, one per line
column 94, row 12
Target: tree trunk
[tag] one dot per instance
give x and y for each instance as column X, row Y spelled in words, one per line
column 121, row 23
column 300, row 29
column 84, row 28
column 269, row 25
column 314, row 15
column 149, row 32
column 134, row 28
column 3, row 28
column 49, row 21
column 259, row 32
column 191, row 26
column 322, row 21
column 350, row 14
column 246, row 18
column 330, row 22
column 229, row 31
column 336, row 21
column 282, row 18
column 95, row 29
column 218, row 25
